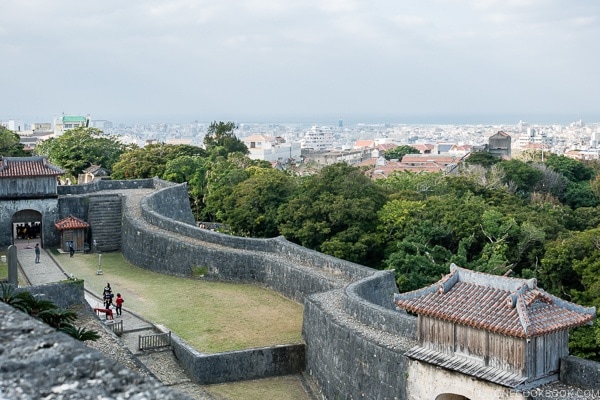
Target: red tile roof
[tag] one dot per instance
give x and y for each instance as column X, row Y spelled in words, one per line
column 509, row 306
column 364, row 143
column 18, row 167
column 71, row 222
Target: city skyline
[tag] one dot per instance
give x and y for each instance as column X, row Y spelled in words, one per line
column 435, row 61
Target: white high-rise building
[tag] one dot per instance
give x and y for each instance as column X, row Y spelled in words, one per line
column 318, row 139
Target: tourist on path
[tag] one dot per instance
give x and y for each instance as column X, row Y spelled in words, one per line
column 107, row 296
column 37, row 253
column 119, row 304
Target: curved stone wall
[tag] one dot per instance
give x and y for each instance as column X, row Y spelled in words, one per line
column 355, row 339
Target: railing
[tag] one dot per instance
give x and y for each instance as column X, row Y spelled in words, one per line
column 117, row 327
column 154, row 341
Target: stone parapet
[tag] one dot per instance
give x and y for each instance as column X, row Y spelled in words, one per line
column 580, row 373
column 40, row 362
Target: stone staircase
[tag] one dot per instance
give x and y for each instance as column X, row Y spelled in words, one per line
column 104, row 216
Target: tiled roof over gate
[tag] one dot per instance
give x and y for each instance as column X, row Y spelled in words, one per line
column 19, row 167
column 509, row 306
column 71, row 222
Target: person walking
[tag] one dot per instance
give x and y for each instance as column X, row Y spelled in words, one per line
column 119, row 304
column 71, row 249
column 107, row 296
column 37, row 253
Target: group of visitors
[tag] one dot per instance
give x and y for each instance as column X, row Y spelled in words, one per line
column 28, row 231
column 108, row 300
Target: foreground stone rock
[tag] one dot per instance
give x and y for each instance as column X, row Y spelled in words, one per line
column 36, row 361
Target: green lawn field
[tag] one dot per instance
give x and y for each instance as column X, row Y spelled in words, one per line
column 210, row 316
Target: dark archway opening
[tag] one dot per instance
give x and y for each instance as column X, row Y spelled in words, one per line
column 451, row 396
column 27, row 227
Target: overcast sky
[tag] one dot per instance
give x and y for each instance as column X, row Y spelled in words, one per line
column 299, row 61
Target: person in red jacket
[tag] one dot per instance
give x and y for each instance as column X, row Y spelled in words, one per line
column 119, row 304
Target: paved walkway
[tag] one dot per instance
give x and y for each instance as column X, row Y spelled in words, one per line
column 48, row 271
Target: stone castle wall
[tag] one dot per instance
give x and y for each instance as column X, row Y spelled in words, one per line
column 355, row 339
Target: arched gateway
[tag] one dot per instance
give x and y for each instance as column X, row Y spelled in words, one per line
column 28, row 200
column 26, row 226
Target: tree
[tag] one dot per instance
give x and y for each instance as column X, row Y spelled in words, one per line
column 571, row 269
column 398, row 152
column 10, row 144
column 335, row 211
column 151, row 160
column 222, row 176
column 573, row 170
column 520, row 175
column 482, row 158
column 193, row 170
column 77, row 149
column 580, row 194
column 220, row 139
column 254, row 202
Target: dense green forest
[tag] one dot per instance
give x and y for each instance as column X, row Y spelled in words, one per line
column 520, row 217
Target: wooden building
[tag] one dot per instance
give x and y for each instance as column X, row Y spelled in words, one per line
column 92, row 172
column 502, row 330
column 28, row 177
column 72, row 229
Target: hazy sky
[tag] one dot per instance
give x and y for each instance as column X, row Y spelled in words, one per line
column 290, row 60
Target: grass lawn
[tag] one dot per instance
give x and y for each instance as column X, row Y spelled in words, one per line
column 281, row 388
column 210, row 316
column 3, row 267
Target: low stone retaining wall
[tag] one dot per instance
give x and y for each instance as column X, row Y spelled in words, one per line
column 63, row 294
column 207, row 369
column 581, row 373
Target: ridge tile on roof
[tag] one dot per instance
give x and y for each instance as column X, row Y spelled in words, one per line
column 510, row 306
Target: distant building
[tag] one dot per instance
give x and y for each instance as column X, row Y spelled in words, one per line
column 92, row 172
column 382, row 168
column 273, row 149
column 67, row 122
column 13, row 125
column 324, row 158
column 424, row 148
column 317, row 139
column 500, row 144
column 72, row 232
column 101, row 124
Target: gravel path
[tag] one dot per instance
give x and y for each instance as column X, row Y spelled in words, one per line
column 161, row 365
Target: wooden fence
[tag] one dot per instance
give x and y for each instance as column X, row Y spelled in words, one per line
column 116, row 327
column 154, row 341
